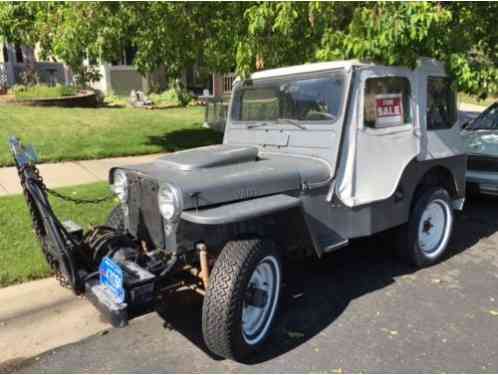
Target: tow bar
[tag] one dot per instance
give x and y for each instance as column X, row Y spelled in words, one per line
column 102, row 263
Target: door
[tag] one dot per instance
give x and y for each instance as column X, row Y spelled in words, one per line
column 387, row 137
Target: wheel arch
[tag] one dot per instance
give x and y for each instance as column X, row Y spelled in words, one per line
column 448, row 173
column 437, row 175
column 287, row 227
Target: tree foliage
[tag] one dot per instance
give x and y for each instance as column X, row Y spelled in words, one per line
column 248, row 36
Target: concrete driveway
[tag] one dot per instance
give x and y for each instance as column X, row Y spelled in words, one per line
column 358, row 310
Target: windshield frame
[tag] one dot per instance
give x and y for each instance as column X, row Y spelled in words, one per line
column 280, row 124
column 472, row 123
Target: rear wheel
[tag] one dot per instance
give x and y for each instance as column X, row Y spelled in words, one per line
column 242, row 298
column 424, row 239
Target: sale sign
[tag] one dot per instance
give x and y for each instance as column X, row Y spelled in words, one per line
column 389, row 110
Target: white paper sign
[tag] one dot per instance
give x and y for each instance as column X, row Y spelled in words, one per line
column 389, row 110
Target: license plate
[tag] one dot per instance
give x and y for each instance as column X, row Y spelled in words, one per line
column 111, row 276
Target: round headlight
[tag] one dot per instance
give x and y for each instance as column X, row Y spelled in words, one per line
column 120, row 185
column 169, row 202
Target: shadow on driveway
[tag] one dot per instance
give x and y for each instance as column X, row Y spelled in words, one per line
column 316, row 292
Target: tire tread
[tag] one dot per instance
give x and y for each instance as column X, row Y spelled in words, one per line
column 222, row 302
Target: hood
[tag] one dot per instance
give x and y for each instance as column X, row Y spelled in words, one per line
column 209, row 157
column 226, row 173
column 483, row 142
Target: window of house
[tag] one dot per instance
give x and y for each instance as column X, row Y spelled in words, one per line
column 19, row 55
column 441, row 104
column 126, row 57
column 129, row 55
column 387, row 102
column 5, row 54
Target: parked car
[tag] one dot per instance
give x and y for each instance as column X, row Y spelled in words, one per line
column 313, row 156
column 481, row 144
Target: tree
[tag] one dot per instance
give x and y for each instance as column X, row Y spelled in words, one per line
column 462, row 35
column 17, row 22
column 259, row 35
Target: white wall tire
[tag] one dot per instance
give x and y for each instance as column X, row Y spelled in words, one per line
column 425, row 238
column 242, row 298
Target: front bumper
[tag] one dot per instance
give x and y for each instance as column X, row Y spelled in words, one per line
column 140, row 294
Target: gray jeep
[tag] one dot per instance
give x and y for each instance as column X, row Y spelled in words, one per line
column 313, row 156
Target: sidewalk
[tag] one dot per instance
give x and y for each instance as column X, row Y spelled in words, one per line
column 69, row 173
column 41, row 315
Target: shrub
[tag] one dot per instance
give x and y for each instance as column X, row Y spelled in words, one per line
column 85, row 75
column 176, row 95
column 183, row 96
column 22, row 92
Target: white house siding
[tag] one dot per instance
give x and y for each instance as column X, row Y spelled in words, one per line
column 48, row 72
column 122, row 79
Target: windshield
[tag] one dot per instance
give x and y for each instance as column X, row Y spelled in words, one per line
column 311, row 99
column 488, row 120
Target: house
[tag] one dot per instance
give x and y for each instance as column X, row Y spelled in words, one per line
column 222, row 84
column 15, row 60
column 121, row 76
column 117, row 77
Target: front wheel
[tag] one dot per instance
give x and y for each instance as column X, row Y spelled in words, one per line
column 425, row 238
column 242, row 298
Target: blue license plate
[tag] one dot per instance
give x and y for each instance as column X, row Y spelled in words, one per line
column 111, row 276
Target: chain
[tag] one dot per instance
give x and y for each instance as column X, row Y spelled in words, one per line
column 77, row 200
column 41, row 183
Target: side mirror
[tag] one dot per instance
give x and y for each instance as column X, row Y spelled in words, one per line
column 464, row 125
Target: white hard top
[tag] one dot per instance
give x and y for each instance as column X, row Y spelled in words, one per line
column 306, row 68
column 423, row 63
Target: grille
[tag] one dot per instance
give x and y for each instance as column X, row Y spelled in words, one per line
column 482, row 163
column 145, row 220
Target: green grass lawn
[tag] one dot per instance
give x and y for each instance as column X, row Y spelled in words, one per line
column 21, row 258
column 60, row 134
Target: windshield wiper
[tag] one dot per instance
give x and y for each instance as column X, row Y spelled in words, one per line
column 259, row 124
column 291, row 122
column 284, row 121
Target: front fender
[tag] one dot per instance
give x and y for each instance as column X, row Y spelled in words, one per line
column 240, row 211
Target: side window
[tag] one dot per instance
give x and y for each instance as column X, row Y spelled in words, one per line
column 387, row 102
column 441, row 104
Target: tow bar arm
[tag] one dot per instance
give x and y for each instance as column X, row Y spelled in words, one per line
column 61, row 243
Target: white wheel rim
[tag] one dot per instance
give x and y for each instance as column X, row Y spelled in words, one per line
column 257, row 320
column 434, row 228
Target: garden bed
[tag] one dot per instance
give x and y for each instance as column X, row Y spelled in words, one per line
column 84, row 99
